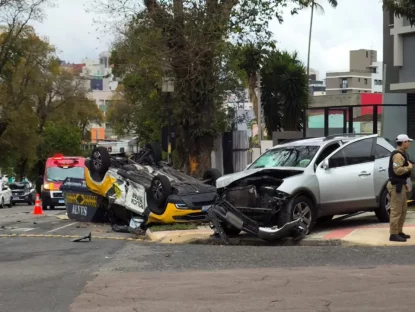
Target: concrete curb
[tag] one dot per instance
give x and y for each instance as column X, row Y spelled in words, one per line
column 252, row 241
column 194, row 239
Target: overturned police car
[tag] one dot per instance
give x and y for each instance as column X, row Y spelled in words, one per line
column 141, row 184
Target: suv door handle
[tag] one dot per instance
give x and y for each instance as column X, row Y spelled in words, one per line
column 381, row 169
column 364, row 173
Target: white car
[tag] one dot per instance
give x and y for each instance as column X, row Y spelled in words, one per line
column 5, row 195
column 309, row 179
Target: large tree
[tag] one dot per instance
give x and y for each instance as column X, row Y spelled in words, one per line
column 193, row 37
column 35, row 91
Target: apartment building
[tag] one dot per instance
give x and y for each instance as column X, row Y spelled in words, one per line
column 102, row 85
column 377, row 77
column 359, row 77
column 399, row 75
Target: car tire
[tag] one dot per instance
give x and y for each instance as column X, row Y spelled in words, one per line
column 2, row 203
column 155, row 150
column 10, row 203
column 52, row 207
column 100, row 160
column 160, row 190
column 44, row 207
column 290, row 212
column 383, row 212
column 211, row 175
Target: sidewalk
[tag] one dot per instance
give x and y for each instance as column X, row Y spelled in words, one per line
column 362, row 230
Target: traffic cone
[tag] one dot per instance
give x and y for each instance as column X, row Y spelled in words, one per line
column 38, row 207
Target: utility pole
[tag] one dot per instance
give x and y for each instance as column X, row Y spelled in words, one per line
column 168, row 88
column 259, row 107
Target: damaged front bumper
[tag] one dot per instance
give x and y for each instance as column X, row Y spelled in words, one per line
column 226, row 213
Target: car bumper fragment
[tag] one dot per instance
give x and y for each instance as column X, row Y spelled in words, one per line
column 225, row 213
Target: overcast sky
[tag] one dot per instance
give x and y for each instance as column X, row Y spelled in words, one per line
column 355, row 24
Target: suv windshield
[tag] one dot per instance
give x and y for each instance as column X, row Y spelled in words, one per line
column 288, row 156
column 18, row 186
column 60, row 174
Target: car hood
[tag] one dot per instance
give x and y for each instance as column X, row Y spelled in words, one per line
column 278, row 172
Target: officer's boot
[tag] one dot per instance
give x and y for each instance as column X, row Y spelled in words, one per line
column 397, row 238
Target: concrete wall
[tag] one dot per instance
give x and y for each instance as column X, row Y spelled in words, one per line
column 392, row 73
column 393, row 118
column 335, row 100
column 277, row 137
column 342, row 100
column 407, row 72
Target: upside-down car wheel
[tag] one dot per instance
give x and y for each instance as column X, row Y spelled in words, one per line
column 155, row 149
column 100, row 160
column 160, row 190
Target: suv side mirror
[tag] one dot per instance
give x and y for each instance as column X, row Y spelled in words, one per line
column 326, row 164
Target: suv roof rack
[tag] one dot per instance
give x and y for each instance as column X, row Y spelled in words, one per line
column 332, row 136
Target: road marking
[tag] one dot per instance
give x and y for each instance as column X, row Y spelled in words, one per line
column 23, row 229
column 62, row 227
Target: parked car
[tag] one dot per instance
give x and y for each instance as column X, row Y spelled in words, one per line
column 5, row 195
column 140, row 182
column 23, row 192
column 309, row 179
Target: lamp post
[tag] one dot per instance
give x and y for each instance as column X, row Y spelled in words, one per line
column 168, row 88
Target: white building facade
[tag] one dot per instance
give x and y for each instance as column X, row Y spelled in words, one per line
column 377, row 77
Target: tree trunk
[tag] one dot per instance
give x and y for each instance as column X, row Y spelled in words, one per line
column 200, row 156
column 22, row 164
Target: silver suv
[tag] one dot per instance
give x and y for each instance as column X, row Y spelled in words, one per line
column 312, row 179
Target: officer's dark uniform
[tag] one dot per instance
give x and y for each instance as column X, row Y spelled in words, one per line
column 399, row 172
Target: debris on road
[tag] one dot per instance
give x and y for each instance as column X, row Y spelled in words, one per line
column 89, row 237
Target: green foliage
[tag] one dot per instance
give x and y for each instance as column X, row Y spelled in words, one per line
column 401, row 9
column 190, row 42
column 284, row 91
column 60, row 138
column 35, row 95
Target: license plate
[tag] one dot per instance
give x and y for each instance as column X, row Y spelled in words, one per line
column 15, row 197
column 61, row 201
column 206, row 208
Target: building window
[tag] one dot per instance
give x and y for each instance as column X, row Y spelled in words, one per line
column 374, row 70
column 344, row 84
column 344, row 91
column 367, row 54
column 365, row 81
column 358, row 79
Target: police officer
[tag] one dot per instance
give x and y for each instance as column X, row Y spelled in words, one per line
column 399, row 171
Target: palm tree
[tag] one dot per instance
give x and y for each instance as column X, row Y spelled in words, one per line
column 284, row 91
column 250, row 60
column 314, row 5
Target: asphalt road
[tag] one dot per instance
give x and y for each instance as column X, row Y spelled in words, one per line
column 55, row 274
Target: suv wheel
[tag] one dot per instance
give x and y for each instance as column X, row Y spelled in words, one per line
column 299, row 207
column 383, row 212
